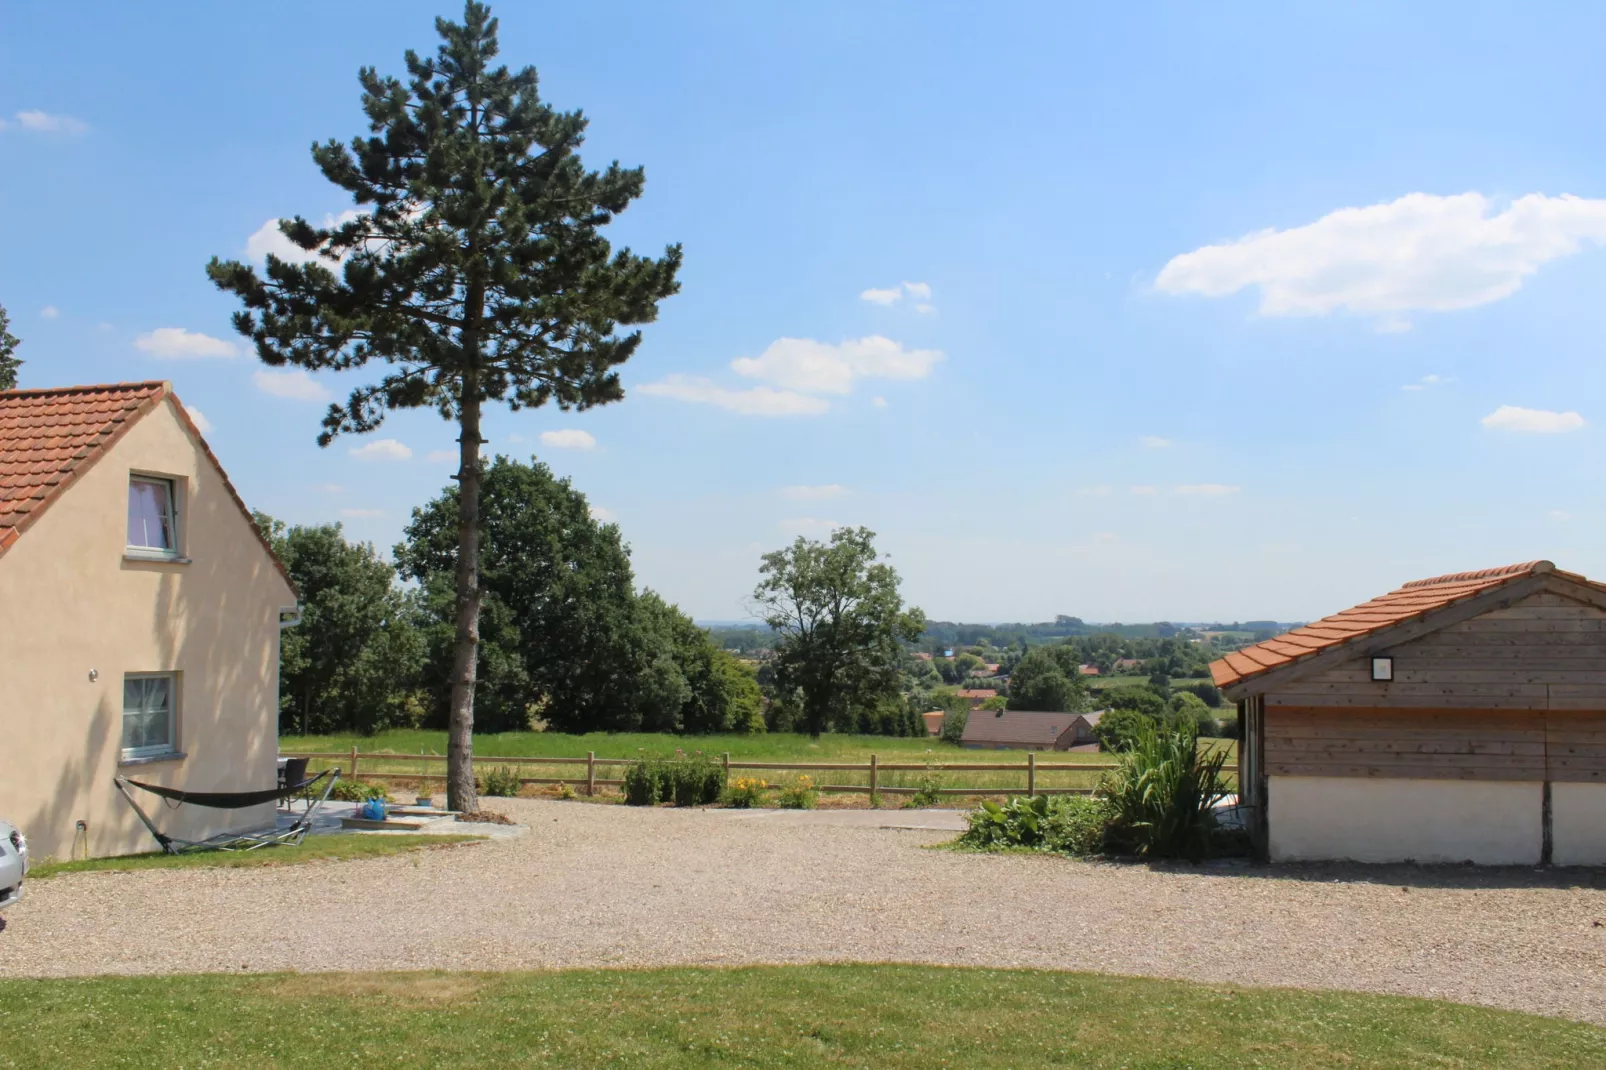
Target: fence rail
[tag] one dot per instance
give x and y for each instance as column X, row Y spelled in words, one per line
column 872, row 771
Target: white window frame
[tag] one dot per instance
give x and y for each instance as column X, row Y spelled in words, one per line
column 156, row 553
column 161, row 750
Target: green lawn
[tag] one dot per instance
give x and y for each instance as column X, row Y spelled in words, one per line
column 530, row 747
column 325, row 848
column 795, row 1016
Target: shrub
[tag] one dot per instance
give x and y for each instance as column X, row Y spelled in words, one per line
column 357, row 791
column 693, row 781
column 644, row 782
column 1188, row 708
column 800, row 794
column 1208, row 692
column 928, row 791
column 1066, row 824
column 502, row 781
column 953, row 724
column 1162, row 797
column 565, row 791
column 1119, row 728
column 746, row 792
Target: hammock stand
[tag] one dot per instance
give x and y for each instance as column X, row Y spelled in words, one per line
column 230, row 800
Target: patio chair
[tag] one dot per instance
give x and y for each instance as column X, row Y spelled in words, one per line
column 294, row 771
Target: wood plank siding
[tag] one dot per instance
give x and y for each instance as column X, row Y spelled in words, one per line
column 1515, row 694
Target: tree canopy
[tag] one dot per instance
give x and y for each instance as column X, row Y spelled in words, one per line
column 475, row 270
column 840, row 619
column 1047, row 679
column 9, row 361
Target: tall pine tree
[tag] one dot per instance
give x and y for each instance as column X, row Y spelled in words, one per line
column 476, row 271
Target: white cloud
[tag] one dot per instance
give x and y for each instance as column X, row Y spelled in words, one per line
column 49, row 312
column 1427, row 381
column 361, row 514
column 268, row 238
column 757, row 401
column 294, row 384
column 1537, row 421
column 1560, row 515
column 809, row 494
column 437, row 456
column 382, row 449
column 1142, row 488
column 919, row 291
column 198, row 418
column 1154, row 442
column 40, row 122
column 879, row 402
column 605, row 515
column 1422, row 252
column 568, row 439
column 176, row 343
column 1211, row 489
column 822, row 368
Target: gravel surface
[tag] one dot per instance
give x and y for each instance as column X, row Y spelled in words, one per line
column 610, row 886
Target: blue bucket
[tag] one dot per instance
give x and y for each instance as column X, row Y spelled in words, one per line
column 373, row 810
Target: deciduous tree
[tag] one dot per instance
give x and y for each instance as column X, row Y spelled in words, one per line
column 475, row 269
column 840, row 619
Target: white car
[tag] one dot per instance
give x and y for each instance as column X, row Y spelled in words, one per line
column 13, row 863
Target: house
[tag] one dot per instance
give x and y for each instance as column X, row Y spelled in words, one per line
column 1127, row 664
column 921, row 655
column 143, row 611
column 1458, row 718
column 934, row 719
column 1088, row 670
column 977, row 695
column 1027, row 730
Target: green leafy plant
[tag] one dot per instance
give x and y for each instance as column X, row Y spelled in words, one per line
column 928, row 791
column 644, row 782
column 800, row 794
column 357, row 791
column 1162, row 797
column 746, row 792
column 1067, row 824
column 502, row 781
column 694, row 781
column 565, row 791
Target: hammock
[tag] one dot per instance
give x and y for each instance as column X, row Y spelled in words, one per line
column 231, row 800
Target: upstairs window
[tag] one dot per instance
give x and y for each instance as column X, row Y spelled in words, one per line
column 148, row 708
column 152, row 524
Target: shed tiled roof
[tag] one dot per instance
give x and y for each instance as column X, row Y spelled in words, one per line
column 1017, row 726
column 47, row 437
column 1414, row 600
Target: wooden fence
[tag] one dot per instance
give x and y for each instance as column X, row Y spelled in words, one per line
column 589, row 777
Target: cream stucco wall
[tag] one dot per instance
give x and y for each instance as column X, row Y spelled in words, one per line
column 1578, row 824
column 1373, row 819
column 73, row 604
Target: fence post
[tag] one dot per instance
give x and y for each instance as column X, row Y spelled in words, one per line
column 354, row 761
column 725, row 763
column 1031, row 774
column 872, row 776
column 591, row 772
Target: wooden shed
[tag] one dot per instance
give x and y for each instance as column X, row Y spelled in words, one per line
column 1459, row 718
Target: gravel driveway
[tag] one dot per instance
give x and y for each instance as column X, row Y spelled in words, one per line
column 610, row 886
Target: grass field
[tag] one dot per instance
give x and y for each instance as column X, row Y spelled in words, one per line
column 313, row 849
column 795, row 1016
column 529, row 747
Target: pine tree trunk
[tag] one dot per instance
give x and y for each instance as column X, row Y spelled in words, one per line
column 461, row 793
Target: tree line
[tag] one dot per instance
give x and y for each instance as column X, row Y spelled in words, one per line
column 566, row 639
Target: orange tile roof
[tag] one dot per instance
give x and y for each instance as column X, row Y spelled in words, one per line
column 48, row 438
column 1409, row 602
column 979, row 692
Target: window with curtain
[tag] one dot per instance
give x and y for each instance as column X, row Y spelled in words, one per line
column 151, row 523
column 148, row 714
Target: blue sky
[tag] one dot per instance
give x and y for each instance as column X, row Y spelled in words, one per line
column 1129, row 314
